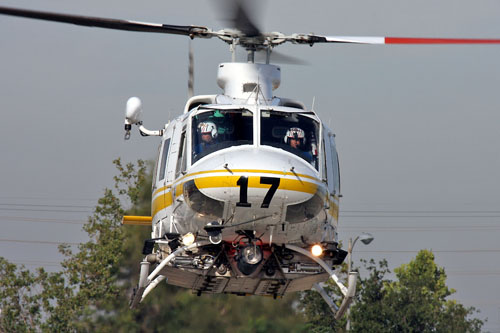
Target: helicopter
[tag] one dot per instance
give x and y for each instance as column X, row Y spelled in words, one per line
column 244, row 213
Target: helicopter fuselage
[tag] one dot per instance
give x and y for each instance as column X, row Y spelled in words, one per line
column 253, row 181
column 242, row 174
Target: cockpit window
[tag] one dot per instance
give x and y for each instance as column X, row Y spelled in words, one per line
column 293, row 132
column 219, row 129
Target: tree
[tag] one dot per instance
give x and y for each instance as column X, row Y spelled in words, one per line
column 19, row 303
column 415, row 302
column 368, row 314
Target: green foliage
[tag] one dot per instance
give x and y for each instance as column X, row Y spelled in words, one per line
column 319, row 316
column 19, row 303
column 368, row 313
column 415, row 302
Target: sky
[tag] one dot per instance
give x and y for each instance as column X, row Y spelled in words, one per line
column 417, row 126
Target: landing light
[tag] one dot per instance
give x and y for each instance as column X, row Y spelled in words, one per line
column 217, row 239
column 188, row 239
column 316, row 250
column 251, row 254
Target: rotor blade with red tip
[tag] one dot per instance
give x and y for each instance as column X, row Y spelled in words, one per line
column 106, row 22
column 312, row 39
column 402, row 40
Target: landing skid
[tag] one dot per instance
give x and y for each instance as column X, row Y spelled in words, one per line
column 148, row 281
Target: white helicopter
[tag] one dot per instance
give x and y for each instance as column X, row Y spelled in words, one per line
column 246, row 187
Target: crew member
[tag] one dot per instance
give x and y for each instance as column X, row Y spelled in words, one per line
column 207, row 133
column 295, row 137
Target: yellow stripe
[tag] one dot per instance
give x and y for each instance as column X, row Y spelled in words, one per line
column 249, row 171
column 161, row 189
column 297, row 185
column 179, row 189
column 334, row 207
column 161, row 202
column 254, row 182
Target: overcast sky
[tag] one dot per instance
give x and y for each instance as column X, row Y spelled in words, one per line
column 417, row 126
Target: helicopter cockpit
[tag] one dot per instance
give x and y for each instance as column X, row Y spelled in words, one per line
column 293, row 132
column 216, row 129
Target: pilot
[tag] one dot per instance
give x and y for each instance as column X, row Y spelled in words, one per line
column 296, row 139
column 207, row 132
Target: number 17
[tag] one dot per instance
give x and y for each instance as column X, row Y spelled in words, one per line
column 243, row 184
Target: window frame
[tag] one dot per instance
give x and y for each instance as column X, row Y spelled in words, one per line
column 226, row 108
column 316, row 160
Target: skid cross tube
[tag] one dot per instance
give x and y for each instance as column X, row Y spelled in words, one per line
column 348, row 293
column 326, row 297
column 148, row 282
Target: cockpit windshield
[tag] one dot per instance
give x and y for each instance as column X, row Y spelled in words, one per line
column 293, row 132
column 218, row 129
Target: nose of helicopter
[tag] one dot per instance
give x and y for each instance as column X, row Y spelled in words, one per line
column 266, row 180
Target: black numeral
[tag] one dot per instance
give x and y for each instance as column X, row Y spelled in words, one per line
column 243, row 184
column 274, row 182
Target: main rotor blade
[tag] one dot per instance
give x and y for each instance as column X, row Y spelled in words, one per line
column 312, row 39
column 242, row 21
column 109, row 23
column 403, row 40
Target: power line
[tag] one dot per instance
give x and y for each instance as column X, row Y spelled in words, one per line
column 45, row 205
column 471, row 273
column 36, row 242
column 36, row 263
column 420, row 213
column 433, row 251
column 453, row 228
column 44, row 197
column 385, row 228
column 420, row 216
column 423, row 211
column 40, row 220
column 44, row 210
column 443, row 228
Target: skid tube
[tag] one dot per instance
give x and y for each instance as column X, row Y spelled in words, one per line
column 149, row 282
column 348, row 292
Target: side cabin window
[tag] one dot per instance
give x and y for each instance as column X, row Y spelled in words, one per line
column 153, row 183
column 181, row 158
column 336, row 166
column 293, row 132
column 163, row 161
column 218, row 129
